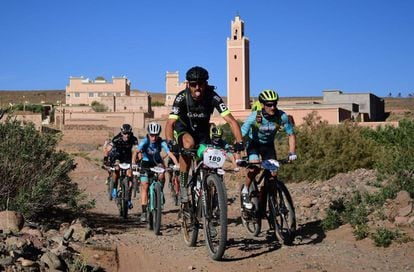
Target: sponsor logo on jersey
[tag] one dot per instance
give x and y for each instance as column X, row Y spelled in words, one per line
column 175, row 110
column 179, row 98
column 196, row 115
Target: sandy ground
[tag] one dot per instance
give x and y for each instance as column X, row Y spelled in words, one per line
column 127, row 245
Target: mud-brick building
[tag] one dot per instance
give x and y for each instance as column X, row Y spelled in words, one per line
column 83, row 91
column 121, row 104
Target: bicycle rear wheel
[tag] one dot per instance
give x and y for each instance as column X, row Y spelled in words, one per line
column 251, row 219
column 156, row 211
column 189, row 223
column 282, row 213
column 215, row 216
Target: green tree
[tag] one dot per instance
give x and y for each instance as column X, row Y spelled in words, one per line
column 98, row 107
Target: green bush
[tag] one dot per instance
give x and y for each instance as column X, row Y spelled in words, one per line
column 398, row 158
column 98, row 107
column 383, row 237
column 325, row 150
column 34, row 177
column 332, row 220
column 157, row 104
column 361, row 231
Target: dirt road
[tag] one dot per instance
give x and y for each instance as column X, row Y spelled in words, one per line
column 127, row 245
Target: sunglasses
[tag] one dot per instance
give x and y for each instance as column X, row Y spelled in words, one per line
column 269, row 105
column 153, row 135
column 195, row 83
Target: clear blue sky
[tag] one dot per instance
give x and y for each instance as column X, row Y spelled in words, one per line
column 297, row 47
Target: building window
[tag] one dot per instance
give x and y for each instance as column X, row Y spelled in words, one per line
column 109, row 94
column 235, row 56
column 77, row 94
column 235, row 79
column 91, row 94
column 125, row 108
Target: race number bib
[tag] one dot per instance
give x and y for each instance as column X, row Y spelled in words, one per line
column 214, row 158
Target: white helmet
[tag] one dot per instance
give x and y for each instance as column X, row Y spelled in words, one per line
column 154, row 128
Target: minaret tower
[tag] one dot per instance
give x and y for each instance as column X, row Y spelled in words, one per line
column 238, row 67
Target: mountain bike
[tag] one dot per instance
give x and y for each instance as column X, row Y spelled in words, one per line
column 271, row 200
column 173, row 183
column 207, row 206
column 123, row 189
column 155, row 202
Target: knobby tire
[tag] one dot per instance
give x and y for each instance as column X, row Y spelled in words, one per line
column 156, row 212
column 215, row 217
column 124, row 198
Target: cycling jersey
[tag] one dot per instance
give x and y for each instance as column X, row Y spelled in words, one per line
column 265, row 131
column 122, row 150
column 151, row 152
column 194, row 116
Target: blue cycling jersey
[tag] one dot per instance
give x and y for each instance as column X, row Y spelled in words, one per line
column 151, row 152
column 264, row 132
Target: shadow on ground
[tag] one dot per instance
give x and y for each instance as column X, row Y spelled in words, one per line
column 310, row 233
column 113, row 224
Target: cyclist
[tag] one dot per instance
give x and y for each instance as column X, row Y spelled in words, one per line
column 149, row 153
column 190, row 118
column 119, row 150
column 261, row 127
column 171, row 171
column 216, row 134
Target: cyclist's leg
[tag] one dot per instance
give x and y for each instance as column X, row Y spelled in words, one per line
column 253, row 155
column 144, row 195
column 115, row 175
column 185, row 140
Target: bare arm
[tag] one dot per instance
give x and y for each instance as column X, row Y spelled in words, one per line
column 292, row 143
column 235, row 128
column 134, row 155
column 174, row 159
column 169, row 130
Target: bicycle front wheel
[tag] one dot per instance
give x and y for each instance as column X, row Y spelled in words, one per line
column 156, row 212
column 282, row 213
column 215, row 216
column 124, row 198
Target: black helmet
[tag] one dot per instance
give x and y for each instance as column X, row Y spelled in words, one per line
column 126, row 128
column 197, row 73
